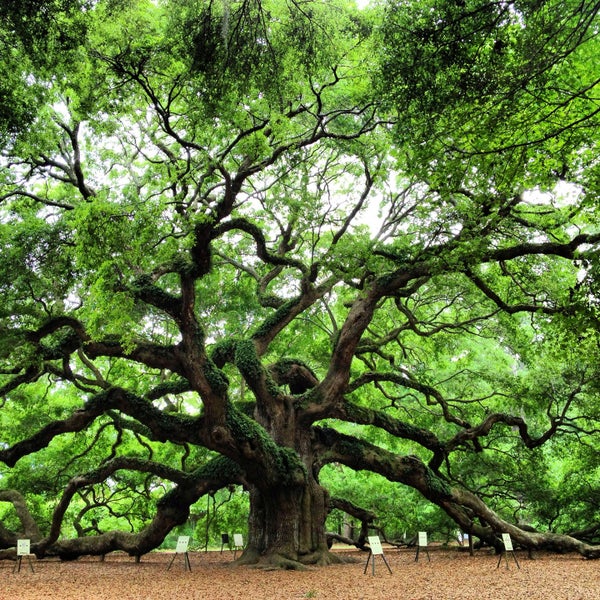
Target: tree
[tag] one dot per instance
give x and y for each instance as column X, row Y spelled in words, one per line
column 199, row 293
column 33, row 35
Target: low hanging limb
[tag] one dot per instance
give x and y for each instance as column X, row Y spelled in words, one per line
column 365, row 517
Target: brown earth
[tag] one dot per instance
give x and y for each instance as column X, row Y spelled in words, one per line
column 450, row 575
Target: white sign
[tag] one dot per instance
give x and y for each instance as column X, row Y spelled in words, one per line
column 238, row 540
column 23, row 547
column 375, row 544
column 183, row 542
column 422, row 538
column 507, row 542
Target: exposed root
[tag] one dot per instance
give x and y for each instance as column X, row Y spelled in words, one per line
column 277, row 561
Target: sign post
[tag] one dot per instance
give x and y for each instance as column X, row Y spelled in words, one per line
column 183, row 542
column 422, row 543
column 508, row 547
column 23, row 549
column 375, row 549
column 238, row 543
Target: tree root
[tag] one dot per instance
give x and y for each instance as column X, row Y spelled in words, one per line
column 275, row 561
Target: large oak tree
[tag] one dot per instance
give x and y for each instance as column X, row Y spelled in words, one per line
column 240, row 237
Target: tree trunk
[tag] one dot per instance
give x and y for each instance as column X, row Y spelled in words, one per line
column 286, row 526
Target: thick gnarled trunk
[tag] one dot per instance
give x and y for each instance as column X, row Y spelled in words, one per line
column 286, row 526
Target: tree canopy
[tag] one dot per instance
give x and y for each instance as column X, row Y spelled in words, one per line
column 255, row 243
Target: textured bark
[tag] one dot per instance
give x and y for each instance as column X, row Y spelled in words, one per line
column 29, row 529
column 495, row 526
column 287, row 527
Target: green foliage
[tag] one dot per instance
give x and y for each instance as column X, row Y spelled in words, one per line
column 236, row 49
column 400, row 512
column 402, row 197
column 35, row 38
column 224, row 512
column 479, row 80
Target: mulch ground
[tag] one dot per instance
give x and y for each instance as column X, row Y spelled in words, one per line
column 449, row 575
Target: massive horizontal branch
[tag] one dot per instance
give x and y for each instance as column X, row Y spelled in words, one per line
column 361, row 415
column 172, row 509
column 350, row 508
column 441, row 258
column 29, row 375
column 534, row 540
column 54, row 325
column 359, row 454
column 463, row 506
column 164, row 426
column 78, row 421
column 151, row 355
column 564, row 249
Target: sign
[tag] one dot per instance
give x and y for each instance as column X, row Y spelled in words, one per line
column 183, row 542
column 23, row 547
column 422, row 543
column 508, row 549
column 375, row 544
column 238, row 542
column 376, row 550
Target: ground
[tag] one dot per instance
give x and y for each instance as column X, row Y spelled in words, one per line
column 450, row 575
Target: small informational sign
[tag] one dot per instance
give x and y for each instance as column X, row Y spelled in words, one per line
column 23, row 550
column 23, row 547
column 422, row 543
column 375, row 544
column 508, row 549
column 238, row 543
column 224, row 541
column 507, row 542
column 183, row 541
column 375, row 550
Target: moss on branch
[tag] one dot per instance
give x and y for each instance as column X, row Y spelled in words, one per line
column 145, row 290
column 283, row 464
column 366, row 416
column 224, row 351
column 247, row 361
column 177, row 386
column 217, row 380
column 295, row 373
column 275, row 319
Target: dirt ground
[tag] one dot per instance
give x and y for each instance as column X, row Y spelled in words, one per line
column 449, row 575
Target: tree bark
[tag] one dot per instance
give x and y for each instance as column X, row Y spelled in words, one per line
column 29, row 526
column 286, row 526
